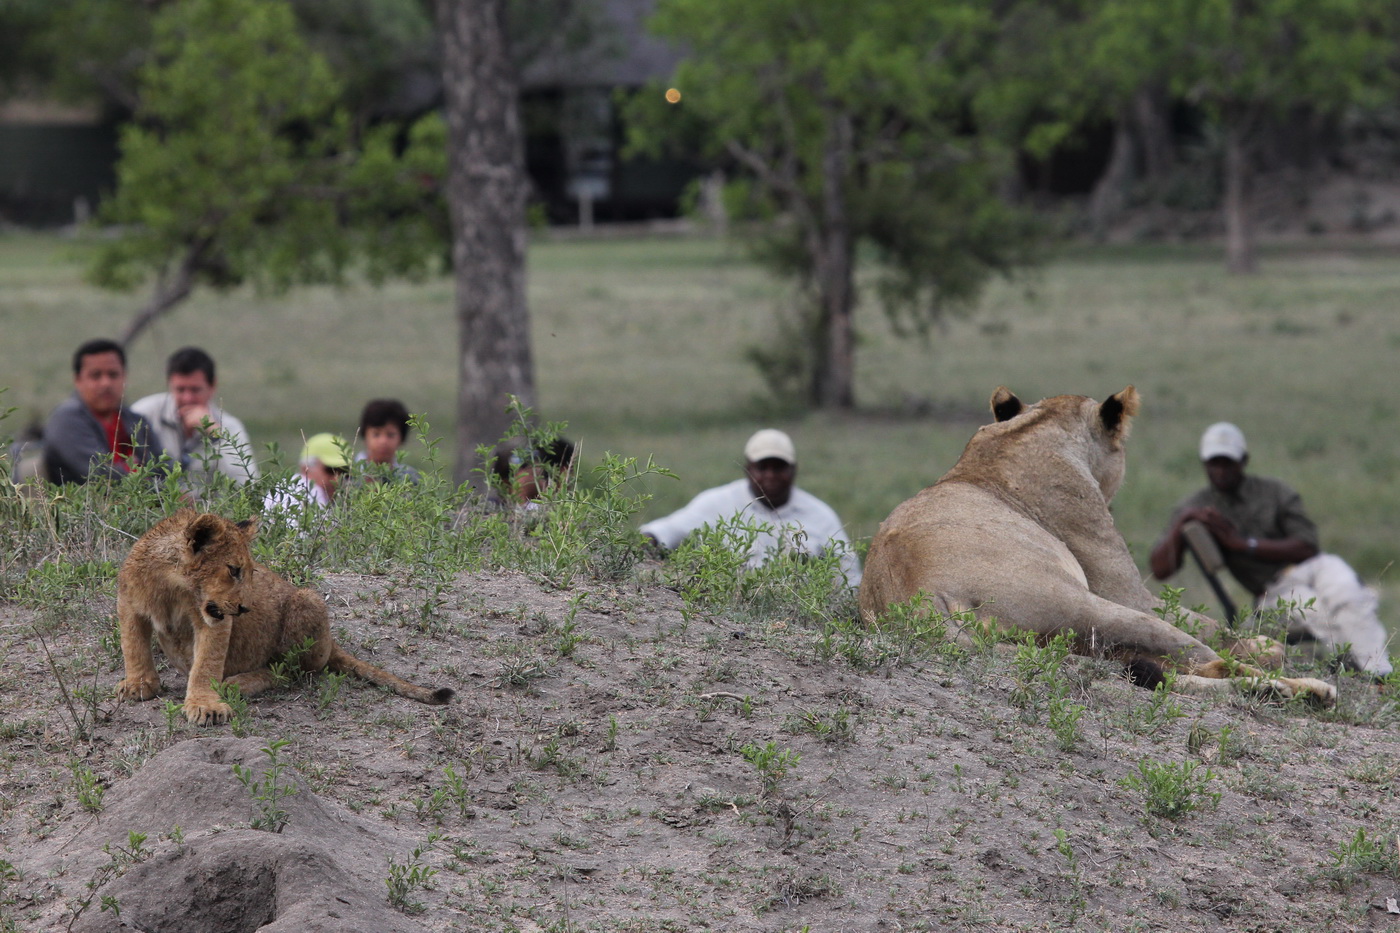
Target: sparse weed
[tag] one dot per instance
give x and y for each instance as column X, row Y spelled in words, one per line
column 269, row 791
column 771, row 763
column 1171, row 790
column 407, row 877
column 832, row 726
column 239, row 716
column 87, row 786
column 287, row 669
column 329, row 691
column 1363, row 854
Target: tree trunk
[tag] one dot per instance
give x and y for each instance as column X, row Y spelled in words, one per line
column 486, row 191
column 1239, row 234
column 1107, row 199
column 171, row 290
column 1152, row 122
column 833, row 269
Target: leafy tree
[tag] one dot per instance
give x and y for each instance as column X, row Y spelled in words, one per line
column 240, row 166
column 852, row 126
column 1244, row 63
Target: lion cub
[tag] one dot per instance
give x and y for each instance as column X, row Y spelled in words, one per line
column 192, row 584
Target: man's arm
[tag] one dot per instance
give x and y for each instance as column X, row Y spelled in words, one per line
column 1170, row 549
column 1287, row 550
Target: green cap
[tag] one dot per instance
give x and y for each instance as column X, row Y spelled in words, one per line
column 327, row 448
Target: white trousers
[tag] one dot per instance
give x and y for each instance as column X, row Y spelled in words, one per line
column 1344, row 611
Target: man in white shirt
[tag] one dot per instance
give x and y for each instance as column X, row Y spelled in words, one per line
column 206, row 439
column 786, row 517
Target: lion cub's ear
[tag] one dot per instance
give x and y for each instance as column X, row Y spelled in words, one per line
column 249, row 527
column 1005, row 404
column 1117, row 410
column 202, row 530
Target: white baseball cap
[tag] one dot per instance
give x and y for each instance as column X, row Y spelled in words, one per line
column 1223, row 439
column 770, row 443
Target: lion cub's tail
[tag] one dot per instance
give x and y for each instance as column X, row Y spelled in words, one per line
column 342, row 661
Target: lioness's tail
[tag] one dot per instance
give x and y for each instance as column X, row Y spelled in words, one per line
column 343, row 662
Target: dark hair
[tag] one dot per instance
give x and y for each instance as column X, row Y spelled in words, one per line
column 94, row 347
column 188, row 360
column 556, row 455
column 382, row 411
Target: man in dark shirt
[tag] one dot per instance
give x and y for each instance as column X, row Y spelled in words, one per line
column 1271, row 547
column 91, row 435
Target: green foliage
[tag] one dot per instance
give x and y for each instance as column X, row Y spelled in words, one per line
column 771, row 762
column 239, row 717
column 849, row 133
column 241, row 164
column 407, row 877
column 269, row 790
column 1363, row 854
column 87, row 786
column 287, row 668
column 1172, row 790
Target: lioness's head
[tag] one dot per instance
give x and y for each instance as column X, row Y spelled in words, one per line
column 217, row 564
column 1099, row 429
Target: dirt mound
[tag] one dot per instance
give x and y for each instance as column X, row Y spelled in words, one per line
column 617, row 760
column 200, row 870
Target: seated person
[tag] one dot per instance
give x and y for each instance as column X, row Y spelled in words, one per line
column 766, row 496
column 1271, row 547
column 384, row 428
column 323, row 465
column 520, row 474
column 92, row 435
column 189, row 423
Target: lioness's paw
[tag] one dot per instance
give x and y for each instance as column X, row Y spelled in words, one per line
column 135, row 688
column 1318, row 692
column 207, row 714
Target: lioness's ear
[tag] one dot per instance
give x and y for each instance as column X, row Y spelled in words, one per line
column 1116, row 410
column 249, row 527
column 1005, row 405
column 202, row 530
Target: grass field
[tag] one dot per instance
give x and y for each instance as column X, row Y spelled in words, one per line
column 639, row 346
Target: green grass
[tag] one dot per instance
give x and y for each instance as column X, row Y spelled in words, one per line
column 638, row 347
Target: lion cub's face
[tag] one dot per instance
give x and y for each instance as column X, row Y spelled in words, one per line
column 219, row 565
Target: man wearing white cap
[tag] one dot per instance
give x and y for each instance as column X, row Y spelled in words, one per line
column 1271, row 547
column 785, row 516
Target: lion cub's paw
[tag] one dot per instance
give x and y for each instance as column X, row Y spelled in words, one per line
column 207, row 714
column 135, row 689
column 1317, row 692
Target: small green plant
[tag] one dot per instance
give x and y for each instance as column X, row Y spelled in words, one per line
column 287, row 668
column 87, row 786
column 832, row 726
column 1064, row 717
column 1363, row 854
column 771, row 763
column 329, row 690
column 270, row 790
column 610, row 739
column 1170, row 790
column 407, row 877
column 119, row 859
column 239, row 717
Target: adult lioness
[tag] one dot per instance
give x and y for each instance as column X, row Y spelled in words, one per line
column 192, row 583
column 1019, row 531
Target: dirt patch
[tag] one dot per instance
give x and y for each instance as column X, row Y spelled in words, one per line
column 613, row 762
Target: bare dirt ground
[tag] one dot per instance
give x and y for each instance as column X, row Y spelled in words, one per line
column 598, row 782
